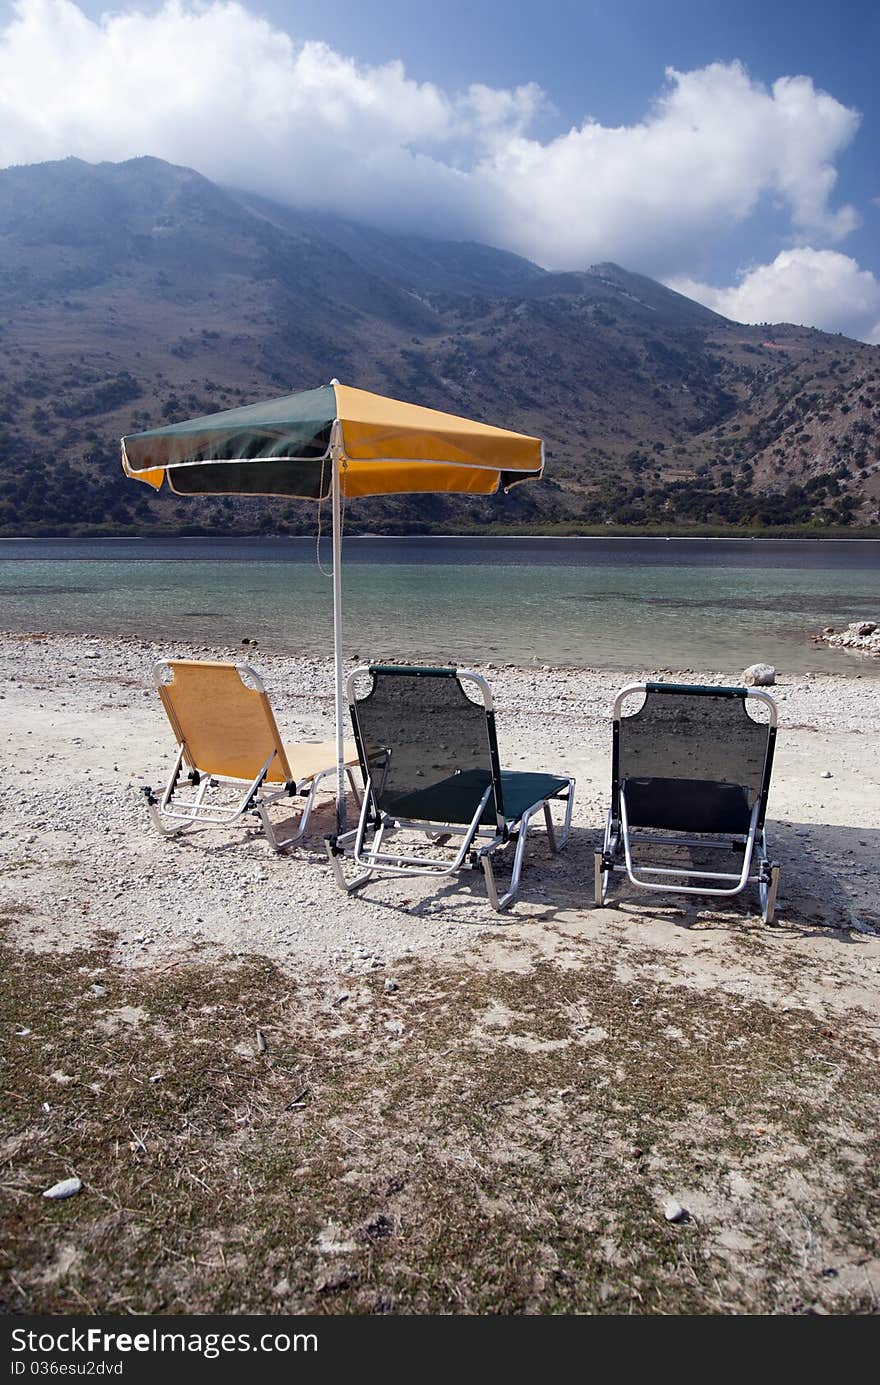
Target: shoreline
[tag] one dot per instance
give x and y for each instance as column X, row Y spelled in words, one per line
column 474, row 535
column 855, row 663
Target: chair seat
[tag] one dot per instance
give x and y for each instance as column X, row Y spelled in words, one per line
column 456, row 798
column 308, row 758
column 522, row 789
column 687, row 805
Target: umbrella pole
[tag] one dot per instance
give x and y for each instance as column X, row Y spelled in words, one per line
column 336, row 464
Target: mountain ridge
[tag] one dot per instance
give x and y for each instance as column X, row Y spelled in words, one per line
column 139, row 292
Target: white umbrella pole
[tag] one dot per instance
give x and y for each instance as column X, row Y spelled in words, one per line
column 336, row 463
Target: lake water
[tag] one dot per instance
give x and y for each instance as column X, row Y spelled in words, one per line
column 600, row 603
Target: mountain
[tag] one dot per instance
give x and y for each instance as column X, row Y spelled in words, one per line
column 138, row 292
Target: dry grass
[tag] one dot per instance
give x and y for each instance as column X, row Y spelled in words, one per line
column 509, row 1152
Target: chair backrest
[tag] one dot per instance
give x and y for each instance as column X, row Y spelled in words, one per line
column 690, row 732
column 417, row 728
column 224, row 723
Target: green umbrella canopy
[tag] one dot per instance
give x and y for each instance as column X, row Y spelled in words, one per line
column 283, row 446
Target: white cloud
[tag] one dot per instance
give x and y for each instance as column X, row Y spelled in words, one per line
column 813, row 288
column 213, row 86
column 714, row 145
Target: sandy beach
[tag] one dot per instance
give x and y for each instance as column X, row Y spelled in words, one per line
column 89, row 890
column 83, row 729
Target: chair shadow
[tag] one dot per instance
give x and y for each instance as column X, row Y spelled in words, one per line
column 829, row 884
column 829, row 880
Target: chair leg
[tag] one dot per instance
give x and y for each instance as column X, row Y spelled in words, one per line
column 335, row 855
column 499, row 904
column 768, row 894
column 353, row 785
column 551, row 831
column 284, row 844
column 602, row 870
column 280, row 845
column 491, row 886
column 157, row 820
column 558, row 840
column 600, row 882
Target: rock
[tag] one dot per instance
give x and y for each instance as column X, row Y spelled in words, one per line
column 394, row 1027
column 332, row 1241
column 333, row 1281
column 673, row 1211
column 860, row 636
column 68, row 1187
column 379, row 1228
column 760, row 675
column 826, row 774
column 390, row 986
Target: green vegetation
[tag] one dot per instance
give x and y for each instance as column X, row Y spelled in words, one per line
column 336, row 1170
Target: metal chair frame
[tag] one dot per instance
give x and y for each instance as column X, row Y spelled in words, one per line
column 172, row 815
column 619, row 839
column 479, row 841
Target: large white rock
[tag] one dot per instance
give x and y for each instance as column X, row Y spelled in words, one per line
column 760, row 675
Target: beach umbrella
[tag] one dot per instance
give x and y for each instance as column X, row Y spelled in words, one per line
column 338, row 442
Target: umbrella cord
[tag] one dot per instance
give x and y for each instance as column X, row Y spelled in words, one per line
column 325, row 572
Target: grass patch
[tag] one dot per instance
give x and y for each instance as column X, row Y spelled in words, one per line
column 508, row 1152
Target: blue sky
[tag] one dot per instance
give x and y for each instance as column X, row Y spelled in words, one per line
column 556, row 129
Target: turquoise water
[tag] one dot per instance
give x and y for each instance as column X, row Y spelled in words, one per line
column 602, row 603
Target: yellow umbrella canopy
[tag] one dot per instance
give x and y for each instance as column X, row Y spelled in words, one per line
column 286, row 447
column 332, row 441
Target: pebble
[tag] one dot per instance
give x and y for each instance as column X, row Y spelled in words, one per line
column 390, row 986
column 68, row 1187
column 673, row 1211
column 394, row 1027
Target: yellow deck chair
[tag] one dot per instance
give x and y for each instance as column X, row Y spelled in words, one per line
column 228, row 739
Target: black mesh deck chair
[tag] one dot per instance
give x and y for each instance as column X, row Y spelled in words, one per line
column 690, row 769
column 432, row 777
